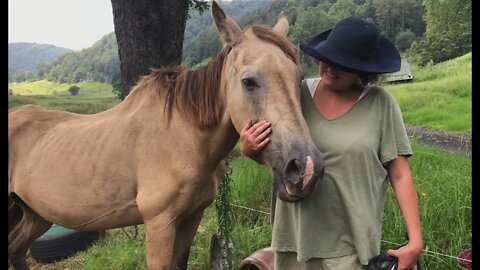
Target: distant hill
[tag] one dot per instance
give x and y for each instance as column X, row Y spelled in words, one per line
column 25, row 56
column 99, row 63
column 206, row 43
column 236, row 9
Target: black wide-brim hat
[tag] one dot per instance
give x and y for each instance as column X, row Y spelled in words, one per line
column 354, row 45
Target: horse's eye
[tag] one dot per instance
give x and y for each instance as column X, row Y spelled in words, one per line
column 249, row 83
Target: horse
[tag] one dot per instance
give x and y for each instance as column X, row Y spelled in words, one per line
column 157, row 157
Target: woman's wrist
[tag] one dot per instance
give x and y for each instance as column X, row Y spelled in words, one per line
column 415, row 245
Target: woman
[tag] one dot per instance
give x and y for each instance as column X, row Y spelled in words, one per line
column 359, row 128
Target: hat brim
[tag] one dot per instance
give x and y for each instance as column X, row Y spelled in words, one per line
column 385, row 60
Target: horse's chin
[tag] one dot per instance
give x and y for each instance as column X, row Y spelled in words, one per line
column 287, row 195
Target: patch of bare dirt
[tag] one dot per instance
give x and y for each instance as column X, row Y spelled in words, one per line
column 454, row 142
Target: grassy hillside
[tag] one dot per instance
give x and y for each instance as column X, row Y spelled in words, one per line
column 439, row 97
column 92, row 98
column 44, row 87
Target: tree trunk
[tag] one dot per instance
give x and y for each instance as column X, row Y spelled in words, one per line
column 149, row 35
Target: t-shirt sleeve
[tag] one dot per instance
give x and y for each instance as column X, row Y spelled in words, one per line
column 394, row 138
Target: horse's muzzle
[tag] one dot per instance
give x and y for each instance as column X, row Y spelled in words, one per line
column 299, row 177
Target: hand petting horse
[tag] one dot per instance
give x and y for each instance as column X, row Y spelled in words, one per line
column 157, row 157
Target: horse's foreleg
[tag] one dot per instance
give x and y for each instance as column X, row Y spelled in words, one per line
column 25, row 226
column 185, row 235
column 160, row 236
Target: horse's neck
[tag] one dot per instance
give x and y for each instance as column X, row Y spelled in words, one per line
column 212, row 144
column 223, row 139
column 216, row 142
column 225, row 136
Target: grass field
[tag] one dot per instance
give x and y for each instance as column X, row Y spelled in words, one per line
column 44, row 87
column 439, row 97
column 93, row 96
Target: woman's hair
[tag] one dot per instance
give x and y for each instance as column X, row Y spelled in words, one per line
column 368, row 78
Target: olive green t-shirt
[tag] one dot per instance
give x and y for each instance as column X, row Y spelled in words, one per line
column 344, row 215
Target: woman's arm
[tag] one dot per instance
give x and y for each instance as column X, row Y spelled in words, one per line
column 407, row 199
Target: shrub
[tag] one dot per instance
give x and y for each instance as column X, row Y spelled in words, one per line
column 74, row 90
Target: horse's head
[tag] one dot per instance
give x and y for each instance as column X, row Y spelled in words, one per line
column 261, row 80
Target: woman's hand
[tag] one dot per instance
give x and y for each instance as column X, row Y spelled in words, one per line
column 407, row 256
column 253, row 138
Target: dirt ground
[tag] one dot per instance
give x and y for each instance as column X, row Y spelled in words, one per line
column 453, row 142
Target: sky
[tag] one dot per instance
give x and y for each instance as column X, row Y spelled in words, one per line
column 72, row 24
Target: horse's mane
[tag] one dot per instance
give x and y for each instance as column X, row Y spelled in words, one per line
column 195, row 92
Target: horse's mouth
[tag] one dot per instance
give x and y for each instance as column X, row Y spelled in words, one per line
column 299, row 178
column 296, row 194
column 288, row 193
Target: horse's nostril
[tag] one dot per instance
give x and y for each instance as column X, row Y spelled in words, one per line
column 298, row 165
column 293, row 172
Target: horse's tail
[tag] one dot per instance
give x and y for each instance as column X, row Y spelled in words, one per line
column 15, row 212
column 24, row 226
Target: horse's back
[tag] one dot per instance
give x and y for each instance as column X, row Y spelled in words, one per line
column 32, row 118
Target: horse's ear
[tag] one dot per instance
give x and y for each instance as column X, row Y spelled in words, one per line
column 282, row 25
column 229, row 30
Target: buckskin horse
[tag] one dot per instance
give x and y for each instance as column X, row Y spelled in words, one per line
column 156, row 158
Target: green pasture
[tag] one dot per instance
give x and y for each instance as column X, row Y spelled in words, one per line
column 439, row 97
column 93, row 96
column 45, row 87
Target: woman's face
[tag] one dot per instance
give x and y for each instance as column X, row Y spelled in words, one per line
column 336, row 78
